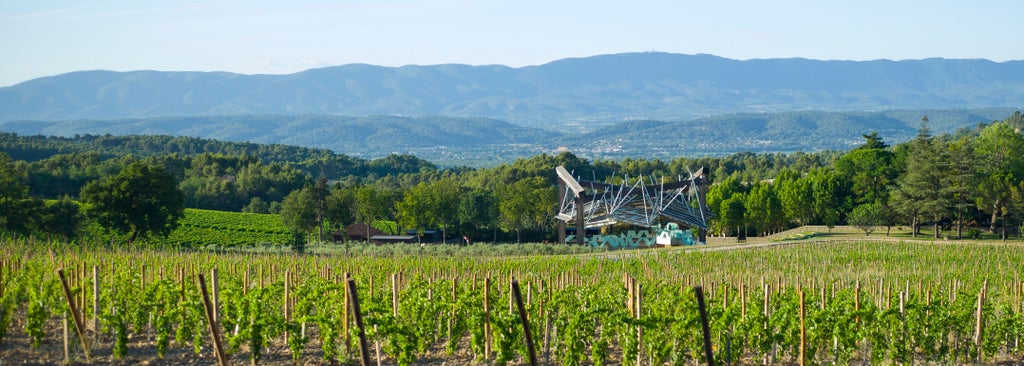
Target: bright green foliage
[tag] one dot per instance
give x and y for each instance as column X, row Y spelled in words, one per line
column 580, row 302
column 62, row 217
column 373, row 203
column 867, row 217
column 340, row 209
column 733, row 213
column 298, row 211
column 999, row 152
column 446, row 195
column 718, row 194
column 257, row 317
column 226, row 182
column 831, row 195
column 203, row 228
column 16, row 209
column 796, row 195
column 478, row 211
column 257, row 205
column 526, row 204
column 12, row 179
column 140, row 200
column 41, row 296
column 429, row 205
column 415, row 209
column 764, row 209
column 870, row 168
column 972, row 177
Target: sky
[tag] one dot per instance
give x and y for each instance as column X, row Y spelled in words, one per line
column 49, row 37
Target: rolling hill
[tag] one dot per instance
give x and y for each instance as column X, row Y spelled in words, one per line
column 482, row 141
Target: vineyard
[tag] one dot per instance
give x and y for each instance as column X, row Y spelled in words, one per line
column 828, row 302
column 201, row 228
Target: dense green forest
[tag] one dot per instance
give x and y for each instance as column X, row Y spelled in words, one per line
column 954, row 183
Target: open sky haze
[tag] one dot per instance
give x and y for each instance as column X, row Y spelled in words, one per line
column 42, row 38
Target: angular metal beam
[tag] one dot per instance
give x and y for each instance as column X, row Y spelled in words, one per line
column 594, row 204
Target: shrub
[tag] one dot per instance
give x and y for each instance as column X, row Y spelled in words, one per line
column 972, row 233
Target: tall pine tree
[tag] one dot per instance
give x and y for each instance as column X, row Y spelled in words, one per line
column 921, row 192
column 960, row 181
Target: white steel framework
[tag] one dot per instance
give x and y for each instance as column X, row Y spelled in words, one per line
column 640, row 202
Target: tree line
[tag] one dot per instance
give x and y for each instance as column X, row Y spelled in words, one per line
column 959, row 182
column 972, row 178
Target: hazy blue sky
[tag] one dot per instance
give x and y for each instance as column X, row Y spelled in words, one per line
column 48, row 37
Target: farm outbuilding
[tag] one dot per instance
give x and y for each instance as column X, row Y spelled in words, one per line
column 357, row 232
column 380, row 239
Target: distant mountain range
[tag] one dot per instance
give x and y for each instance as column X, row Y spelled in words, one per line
column 610, row 106
column 570, row 94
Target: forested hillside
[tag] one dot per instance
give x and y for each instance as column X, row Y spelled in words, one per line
column 482, row 142
column 769, row 132
column 955, row 185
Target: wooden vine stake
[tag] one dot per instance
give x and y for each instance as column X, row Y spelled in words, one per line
column 487, row 317
column 547, row 325
column 344, row 319
column 79, row 326
column 455, row 305
column 364, row 351
column 639, row 329
column 708, row 352
column 67, row 351
column 978, row 324
column 743, row 301
column 856, row 300
column 218, row 344
column 216, row 292
column 287, row 297
column 511, row 301
column 394, row 294
column 526, row 322
column 803, row 332
column 80, row 280
column 95, row 304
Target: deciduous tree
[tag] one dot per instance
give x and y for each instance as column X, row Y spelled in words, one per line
column 870, row 169
column 415, row 210
column 733, row 214
column 13, row 189
column 340, row 207
column 796, row 195
column 140, row 200
column 298, row 212
column 764, row 210
column 1000, row 155
column 831, row 196
column 866, row 217
column 62, row 217
column 527, row 203
column 478, row 210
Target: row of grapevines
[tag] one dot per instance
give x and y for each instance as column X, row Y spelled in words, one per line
column 869, row 302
